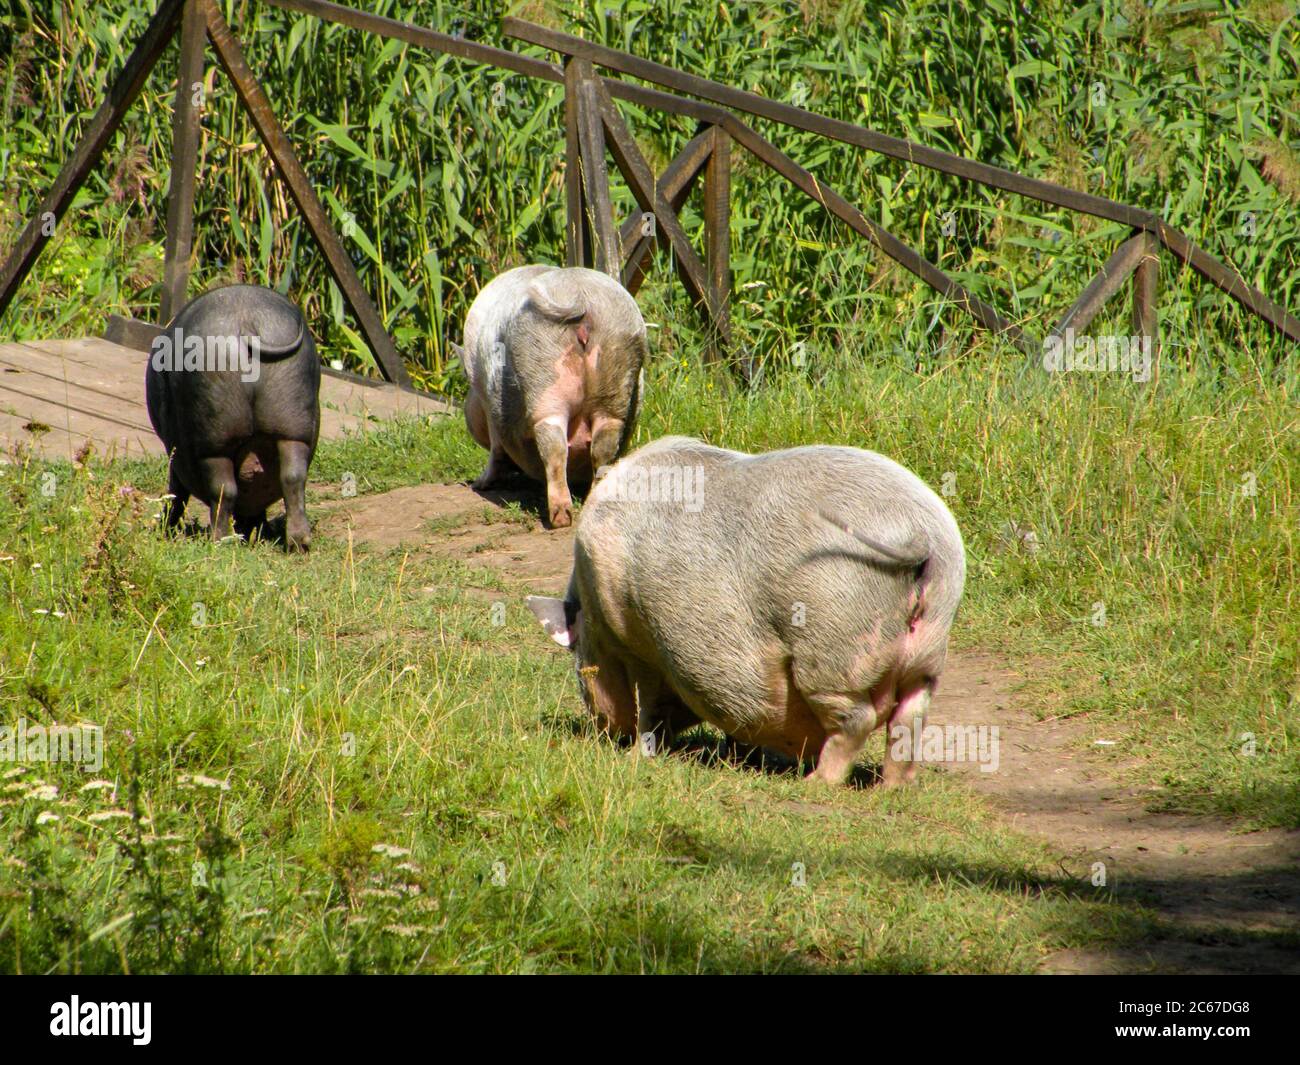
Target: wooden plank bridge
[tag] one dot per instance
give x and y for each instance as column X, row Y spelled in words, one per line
column 55, row 395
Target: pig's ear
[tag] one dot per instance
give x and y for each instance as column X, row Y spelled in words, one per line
column 457, row 352
column 558, row 618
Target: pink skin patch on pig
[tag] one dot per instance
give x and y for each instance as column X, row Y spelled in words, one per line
column 579, row 433
column 257, row 470
column 564, row 402
column 565, row 395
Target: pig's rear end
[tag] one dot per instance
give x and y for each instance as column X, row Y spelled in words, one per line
column 554, row 359
column 241, row 440
column 882, row 573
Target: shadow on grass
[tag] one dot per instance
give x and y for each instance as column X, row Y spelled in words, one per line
column 514, row 486
column 271, row 531
column 708, row 747
column 1204, row 923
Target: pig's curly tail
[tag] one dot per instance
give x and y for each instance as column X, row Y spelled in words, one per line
column 889, row 553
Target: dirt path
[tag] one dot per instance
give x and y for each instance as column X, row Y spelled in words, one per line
column 1226, row 897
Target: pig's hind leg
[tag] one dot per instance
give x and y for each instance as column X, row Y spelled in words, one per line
column 218, row 476
column 907, row 720
column 848, row 721
column 294, row 459
column 605, row 439
column 180, row 496
column 553, row 446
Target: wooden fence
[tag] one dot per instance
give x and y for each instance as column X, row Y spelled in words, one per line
column 595, row 129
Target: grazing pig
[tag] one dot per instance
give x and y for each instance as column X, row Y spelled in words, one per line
column 554, row 361
column 233, row 392
column 796, row 599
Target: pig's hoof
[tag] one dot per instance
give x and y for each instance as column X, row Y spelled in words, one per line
column 562, row 516
column 297, row 540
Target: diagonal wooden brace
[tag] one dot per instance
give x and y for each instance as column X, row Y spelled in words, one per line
column 650, row 198
column 1109, row 280
column 675, row 184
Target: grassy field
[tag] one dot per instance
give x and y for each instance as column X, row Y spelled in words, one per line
column 340, row 763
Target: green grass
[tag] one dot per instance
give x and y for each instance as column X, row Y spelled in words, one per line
column 350, row 701
column 356, row 699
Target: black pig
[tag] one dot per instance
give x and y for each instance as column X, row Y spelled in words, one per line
column 233, row 392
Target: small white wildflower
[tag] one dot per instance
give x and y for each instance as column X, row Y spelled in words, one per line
column 45, row 793
column 17, row 771
column 108, row 815
column 45, row 817
column 96, row 785
column 407, row 930
column 389, row 850
column 198, row 780
column 409, row 867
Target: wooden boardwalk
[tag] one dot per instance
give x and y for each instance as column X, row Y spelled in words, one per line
column 57, row 394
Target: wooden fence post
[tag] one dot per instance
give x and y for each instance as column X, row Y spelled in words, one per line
column 1145, row 281
column 604, row 248
column 186, row 114
column 717, row 240
column 577, row 238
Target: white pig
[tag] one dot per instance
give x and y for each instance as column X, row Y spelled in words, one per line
column 796, row 600
column 554, row 359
